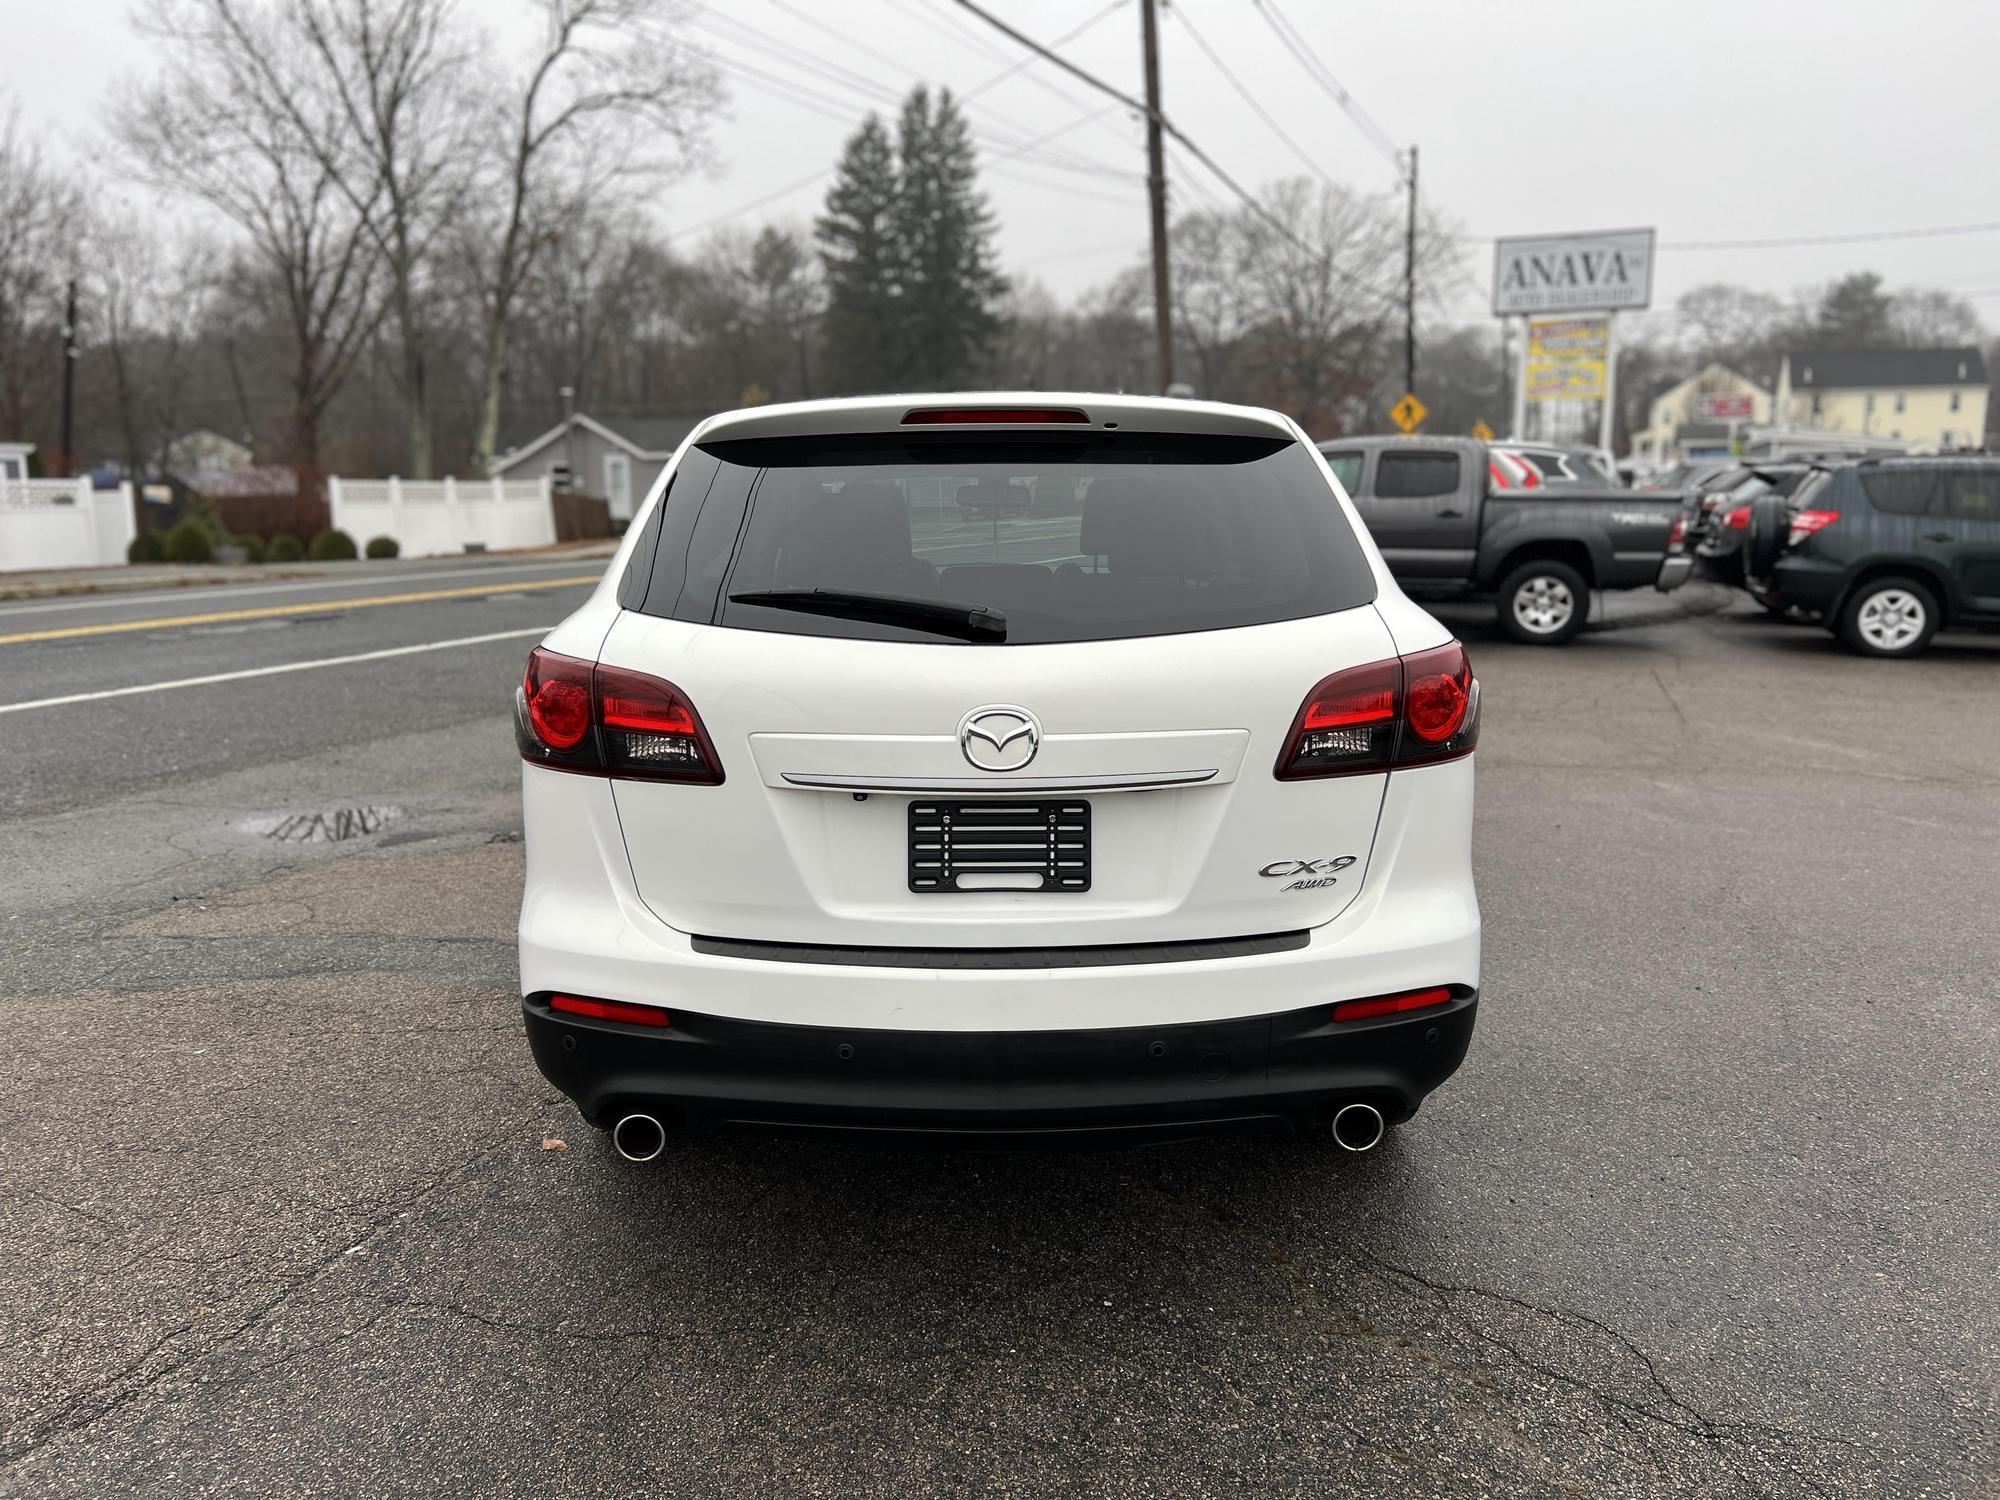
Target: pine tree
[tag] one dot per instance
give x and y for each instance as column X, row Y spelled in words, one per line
column 861, row 250
column 951, row 288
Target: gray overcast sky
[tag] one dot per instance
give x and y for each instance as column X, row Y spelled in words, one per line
column 1712, row 119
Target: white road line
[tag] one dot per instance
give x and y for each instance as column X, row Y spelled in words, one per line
column 282, row 667
column 196, row 591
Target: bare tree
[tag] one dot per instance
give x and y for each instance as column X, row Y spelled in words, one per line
column 1212, row 305
column 39, row 218
column 397, row 71
column 149, row 302
column 377, row 95
column 1318, row 267
column 610, row 80
column 214, row 131
column 1933, row 319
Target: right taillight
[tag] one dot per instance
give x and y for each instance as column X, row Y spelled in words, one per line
column 1738, row 519
column 1808, row 522
column 574, row 715
column 1407, row 710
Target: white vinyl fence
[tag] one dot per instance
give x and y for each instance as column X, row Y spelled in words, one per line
column 63, row 523
column 433, row 517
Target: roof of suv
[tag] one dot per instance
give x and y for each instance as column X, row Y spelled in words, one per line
column 888, row 413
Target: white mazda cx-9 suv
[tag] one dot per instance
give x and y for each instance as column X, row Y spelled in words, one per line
column 1022, row 766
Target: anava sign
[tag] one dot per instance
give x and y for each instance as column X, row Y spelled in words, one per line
column 1610, row 271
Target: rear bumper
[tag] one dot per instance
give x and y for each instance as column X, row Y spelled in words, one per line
column 1413, row 922
column 1126, row 1084
column 1674, row 572
column 1801, row 582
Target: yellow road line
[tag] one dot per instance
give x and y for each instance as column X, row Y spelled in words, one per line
column 271, row 611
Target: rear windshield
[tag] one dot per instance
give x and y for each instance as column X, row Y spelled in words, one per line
column 1093, row 537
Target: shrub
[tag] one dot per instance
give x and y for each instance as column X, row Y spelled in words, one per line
column 189, row 542
column 332, row 546
column 145, row 548
column 284, row 548
column 382, row 546
column 254, row 545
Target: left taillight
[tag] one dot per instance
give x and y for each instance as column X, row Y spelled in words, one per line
column 1404, row 711
column 574, row 715
column 1809, row 523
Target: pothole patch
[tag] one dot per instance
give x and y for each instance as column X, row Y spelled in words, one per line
column 330, row 825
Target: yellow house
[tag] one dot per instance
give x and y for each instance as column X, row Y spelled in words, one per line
column 1693, row 418
column 1933, row 399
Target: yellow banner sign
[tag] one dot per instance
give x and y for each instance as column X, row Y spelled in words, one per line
column 1566, row 358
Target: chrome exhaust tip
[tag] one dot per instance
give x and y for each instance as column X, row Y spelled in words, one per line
column 639, row 1137
column 1358, row 1127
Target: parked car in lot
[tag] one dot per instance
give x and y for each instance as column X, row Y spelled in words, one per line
column 1883, row 552
column 1721, row 519
column 864, row 796
column 1560, row 465
column 1447, row 530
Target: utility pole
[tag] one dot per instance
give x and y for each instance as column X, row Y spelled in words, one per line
column 69, row 384
column 1410, row 285
column 1156, row 189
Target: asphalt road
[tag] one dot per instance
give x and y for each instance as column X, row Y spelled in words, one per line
column 1709, row 1211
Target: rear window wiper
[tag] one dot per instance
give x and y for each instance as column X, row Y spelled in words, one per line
column 969, row 622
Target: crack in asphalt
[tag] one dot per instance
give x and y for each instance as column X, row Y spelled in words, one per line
column 1674, row 1412
column 86, row 1408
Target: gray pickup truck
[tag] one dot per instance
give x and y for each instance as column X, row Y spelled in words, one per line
column 1447, row 529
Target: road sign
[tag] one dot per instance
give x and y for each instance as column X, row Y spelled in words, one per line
column 1409, row 413
column 1481, row 431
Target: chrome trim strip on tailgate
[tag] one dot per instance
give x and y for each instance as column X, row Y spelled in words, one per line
column 1089, row 956
column 1001, row 784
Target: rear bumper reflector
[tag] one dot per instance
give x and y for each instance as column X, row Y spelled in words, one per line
column 1389, row 1005
column 609, row 1010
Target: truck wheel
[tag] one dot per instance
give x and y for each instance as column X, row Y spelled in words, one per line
column 1891, row 616
column 1544, row 603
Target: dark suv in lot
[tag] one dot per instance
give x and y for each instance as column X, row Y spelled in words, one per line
column 1884, row 552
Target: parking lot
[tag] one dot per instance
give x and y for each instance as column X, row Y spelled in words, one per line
column 1709, row 1210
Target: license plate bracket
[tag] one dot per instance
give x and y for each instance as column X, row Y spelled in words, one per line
column 977, row 847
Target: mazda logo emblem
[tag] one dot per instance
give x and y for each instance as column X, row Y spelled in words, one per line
column 999, row 737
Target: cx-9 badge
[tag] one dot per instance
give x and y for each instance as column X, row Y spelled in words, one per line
column 1307, row 874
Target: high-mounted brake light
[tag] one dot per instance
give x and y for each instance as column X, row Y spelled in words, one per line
column 1808, row 522
column 609, row 1010
column 1407, row 710
column 1389, row 1005
column 573, row 715
column 945, row 416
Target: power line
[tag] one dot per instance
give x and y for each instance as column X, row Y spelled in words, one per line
column 771, row 49
column 728, row 215
column 753, row 205
column 875, row 54
column 1129, row 102
column 832, row 109
column 1861, row 238
column 1797, row 242
column 1322, row 75
column 1248, row 97
column 1062, row 41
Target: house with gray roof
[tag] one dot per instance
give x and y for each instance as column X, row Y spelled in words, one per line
column 1928, row 399
column 617, row 457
